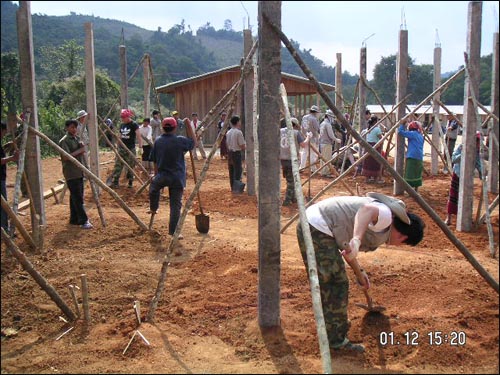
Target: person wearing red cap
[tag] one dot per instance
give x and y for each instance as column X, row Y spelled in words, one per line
column 414, row 165
column 167, row 156
column 129, row 132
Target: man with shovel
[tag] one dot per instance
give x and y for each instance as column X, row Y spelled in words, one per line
column 169, row 169
column 341, row 227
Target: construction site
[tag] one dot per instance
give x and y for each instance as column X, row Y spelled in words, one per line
column 235, row 296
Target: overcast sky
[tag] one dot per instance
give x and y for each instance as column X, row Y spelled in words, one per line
column 325, row 27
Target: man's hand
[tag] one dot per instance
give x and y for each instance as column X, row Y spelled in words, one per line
column 365, row 282
column 352, row 251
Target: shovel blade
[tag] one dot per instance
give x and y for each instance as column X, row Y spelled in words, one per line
column 202, row 223
column 373, row 308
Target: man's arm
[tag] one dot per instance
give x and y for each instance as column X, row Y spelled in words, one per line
column 138, row 135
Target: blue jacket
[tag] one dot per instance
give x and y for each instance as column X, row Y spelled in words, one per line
column 168, row 154
column 415, row 143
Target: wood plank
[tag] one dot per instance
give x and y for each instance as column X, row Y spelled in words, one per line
column 46, row 194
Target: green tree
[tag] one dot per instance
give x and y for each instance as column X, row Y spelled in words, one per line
column 10, row 82
column 59, row 63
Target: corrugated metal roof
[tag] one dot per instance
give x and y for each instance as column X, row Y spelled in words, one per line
column 456, row 109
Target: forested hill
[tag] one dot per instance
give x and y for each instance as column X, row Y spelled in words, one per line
column 176, row 54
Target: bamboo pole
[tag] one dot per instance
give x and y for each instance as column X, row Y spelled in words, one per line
column 85, row 298
column 163, row 273
column 73, row 297
column 491, row 207
column 40, row 280
column 423, row 204
column 15, row 222
column 20, row 167
column 93, row 177
column 311, row 256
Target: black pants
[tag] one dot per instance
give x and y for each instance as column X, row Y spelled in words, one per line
column 235, row 167
column 77, row 211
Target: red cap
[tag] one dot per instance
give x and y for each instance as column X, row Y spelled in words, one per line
column 169, row 123
column 414, row 125
column 126, row 113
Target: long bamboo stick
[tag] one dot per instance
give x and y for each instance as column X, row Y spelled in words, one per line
column 92, row 176
column 40, row 280
column 423, row 204
column 163, row 273
column 311, row 256
column 16, row 223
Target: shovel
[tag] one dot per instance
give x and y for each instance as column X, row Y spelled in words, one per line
column 369, row 306
column 202, row 221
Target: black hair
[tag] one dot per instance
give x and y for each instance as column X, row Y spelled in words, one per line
column 283, row 123
column 414, row 231
column 373, row 120
column 235, row 119
column 194, row 114
column 146, row 119
column 156, row 112
column 71, row 122
column 367, row 112
column 4, row 125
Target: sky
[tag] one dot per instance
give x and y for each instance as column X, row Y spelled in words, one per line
column 323, row 27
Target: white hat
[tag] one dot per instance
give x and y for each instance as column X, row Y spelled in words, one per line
column 397, row 206
column 329, row 113
column 314, row 108
column 81, row 114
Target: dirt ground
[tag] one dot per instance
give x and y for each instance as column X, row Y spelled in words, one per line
column 206, row 321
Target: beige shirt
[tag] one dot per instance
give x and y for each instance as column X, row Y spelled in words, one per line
column 235, row 140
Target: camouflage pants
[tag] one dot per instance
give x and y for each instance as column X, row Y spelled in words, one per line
column 117, row 170
column 333, row 283
column 290, row 189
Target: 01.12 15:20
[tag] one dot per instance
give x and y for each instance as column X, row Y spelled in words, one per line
column 434, row 338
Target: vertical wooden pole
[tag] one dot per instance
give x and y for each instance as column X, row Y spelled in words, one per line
column 468, row 158
column 91, row 101
column 269, row 179
column 436, row 138
column 124, row 77
column 248, row 105
column 493, row 147
column 339, row 102
column 362, row 89
column 28, row 96
column 401, row 90
column 147, row 84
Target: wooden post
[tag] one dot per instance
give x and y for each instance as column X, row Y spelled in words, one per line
column 85, row 298
column 91, row 101
column 493, row 148
column 339, row 101
column 147, row 84
column 28, row 95
column 468, row 159
column 269, row 169
column 124, row 77
column 249, row 109
column 40, row 280
column 362, row 91
column 436, row 138
column 402, row 88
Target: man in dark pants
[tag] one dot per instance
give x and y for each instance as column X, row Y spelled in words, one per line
column 169, row 169
column 236, row 146
column 73, row 175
